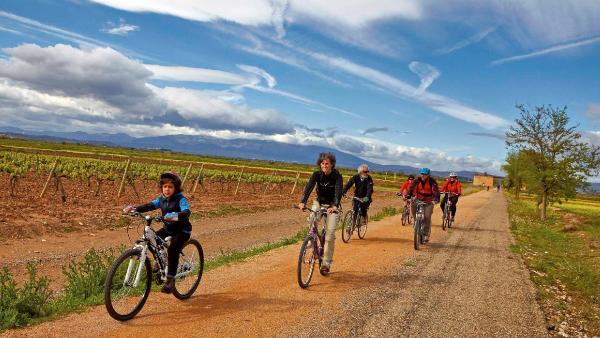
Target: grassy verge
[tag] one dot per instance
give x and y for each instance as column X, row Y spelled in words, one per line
column 34, row 302
column 563, row 261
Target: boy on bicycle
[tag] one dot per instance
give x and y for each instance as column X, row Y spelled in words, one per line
column 363, row 189
column 425, row 188
column 329, row 193
column 452, row 186
column 175, row 210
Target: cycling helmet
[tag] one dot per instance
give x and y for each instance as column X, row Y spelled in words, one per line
column 173, row 177
column 452, row 174
column 424, row 171
column 411, row 177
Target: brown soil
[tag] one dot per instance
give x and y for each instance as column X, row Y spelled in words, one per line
column 463, row 283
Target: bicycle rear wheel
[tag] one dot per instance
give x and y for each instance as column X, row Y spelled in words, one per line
column 306, row 261
column 417, row 235
column 347, row 226
column 123, row 297
column 362, row 228
column 189, row 271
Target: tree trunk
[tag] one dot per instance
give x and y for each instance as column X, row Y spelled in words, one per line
column 544, row 204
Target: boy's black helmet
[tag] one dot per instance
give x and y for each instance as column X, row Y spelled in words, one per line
column 171, row 176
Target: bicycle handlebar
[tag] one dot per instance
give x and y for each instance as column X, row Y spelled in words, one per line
column 146, row 217
column 322, row 210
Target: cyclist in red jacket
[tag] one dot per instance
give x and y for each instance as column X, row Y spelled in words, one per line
column 405, row 188
column 425, row 188
column 452, row 186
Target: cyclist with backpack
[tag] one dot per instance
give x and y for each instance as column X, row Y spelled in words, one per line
column 175, row 210
column 425, row 188
column 329, row 193
column 452, row 186
column 363, row 189
column 404, row 189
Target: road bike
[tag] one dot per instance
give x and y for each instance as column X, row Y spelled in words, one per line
column 353, row 220
column 312, row 248
column 419, row 226
column 129, row 280
column 447, row 215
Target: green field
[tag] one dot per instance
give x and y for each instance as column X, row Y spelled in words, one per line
column 563, row 255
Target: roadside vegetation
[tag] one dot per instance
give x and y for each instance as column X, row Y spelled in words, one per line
column 562, row 253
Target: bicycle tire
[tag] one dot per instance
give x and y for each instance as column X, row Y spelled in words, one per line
column 417, row 233
column 347, row 226
column 362, row 228
column 189, row 260
column 114, row 283
column 445, row 219
column 404, row 216
column 309, row 267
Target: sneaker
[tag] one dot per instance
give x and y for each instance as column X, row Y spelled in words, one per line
column 169, row 285
column 325, row 266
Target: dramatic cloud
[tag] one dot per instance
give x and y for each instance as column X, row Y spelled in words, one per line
column 270, row 80
column 426, row 72
column 103, row 86
column 122, row 28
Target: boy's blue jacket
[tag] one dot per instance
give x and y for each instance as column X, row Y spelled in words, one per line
column 176, row 203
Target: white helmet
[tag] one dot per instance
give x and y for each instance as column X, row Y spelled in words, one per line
column 452, row 174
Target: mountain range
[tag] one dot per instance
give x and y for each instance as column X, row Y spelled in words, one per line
column 236, row 148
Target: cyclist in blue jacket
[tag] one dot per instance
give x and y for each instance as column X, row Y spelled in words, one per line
column 176, row 212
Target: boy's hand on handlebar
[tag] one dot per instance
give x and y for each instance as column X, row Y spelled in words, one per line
column 331, row 210
column 301, row 206
column 171, row 216
column 128, row 209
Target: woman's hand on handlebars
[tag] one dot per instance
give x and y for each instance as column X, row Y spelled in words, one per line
column 331, row 210
column 301, row 206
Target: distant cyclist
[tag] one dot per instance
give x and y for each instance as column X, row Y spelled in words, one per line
column 425, row 188
column 451, row 185
column 329, row 193
column 363, row 189
column 405, row 187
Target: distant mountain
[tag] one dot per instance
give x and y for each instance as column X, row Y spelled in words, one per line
column 236, row 148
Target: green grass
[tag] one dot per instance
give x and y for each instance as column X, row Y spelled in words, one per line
column 559, row 258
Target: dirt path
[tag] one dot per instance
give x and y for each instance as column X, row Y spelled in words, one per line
column 463, row 283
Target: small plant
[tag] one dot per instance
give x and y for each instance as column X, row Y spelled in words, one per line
column 85, row 279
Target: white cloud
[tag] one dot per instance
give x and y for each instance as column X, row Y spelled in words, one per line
column 178, row 73
column 102, row 85
column 553, row 49
column 468, row 41
column 122, row 28
column 426, row 72
column 406, row 91
column 271, row 82
column 591, row 137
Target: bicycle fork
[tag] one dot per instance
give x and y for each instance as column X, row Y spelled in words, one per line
column 138, row 272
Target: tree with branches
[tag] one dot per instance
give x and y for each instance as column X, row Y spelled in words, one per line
column 553, row 162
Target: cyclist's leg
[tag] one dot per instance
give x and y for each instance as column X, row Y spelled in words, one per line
column 454, row 201
column 332, row 220
column 413, row 208
column 177, row 242
column 428, row 212
column 365, row 209
column 443, row 203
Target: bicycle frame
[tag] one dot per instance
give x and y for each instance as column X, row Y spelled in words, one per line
column 314, row 232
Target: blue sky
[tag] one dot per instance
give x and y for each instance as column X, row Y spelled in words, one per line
column 421, row 83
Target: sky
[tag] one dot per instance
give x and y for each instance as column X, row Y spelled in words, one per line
column 420, row 83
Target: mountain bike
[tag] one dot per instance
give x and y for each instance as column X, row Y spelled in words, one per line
column 419, row 226
column 447, row 215
column 406, row 211
column 353, row 219
column 312, row 248
column 129, row 280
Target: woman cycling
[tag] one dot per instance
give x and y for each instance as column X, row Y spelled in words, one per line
column 329, row 192
column 452, row 186
column 425, row 188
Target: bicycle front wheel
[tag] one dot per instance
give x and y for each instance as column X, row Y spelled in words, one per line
column 127, row 285
column 404, row 216
column 417, row 236
column 445, row 219
column 362, row 228
column 347, row 226
column 189, row 271
column 306, row 261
